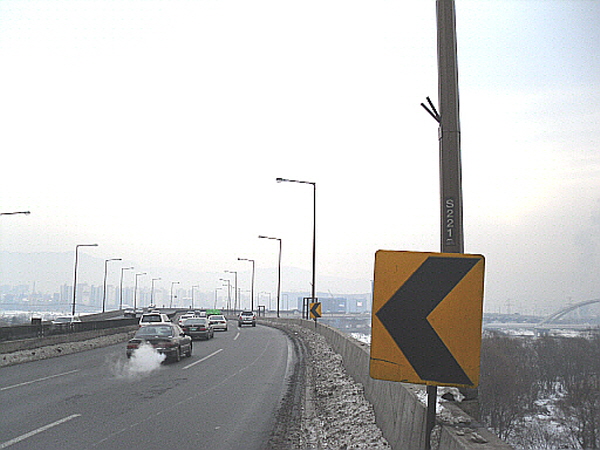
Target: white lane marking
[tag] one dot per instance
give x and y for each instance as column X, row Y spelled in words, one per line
column 203, row 359
column 38, row 380
column 37, row 431
column 236, row 336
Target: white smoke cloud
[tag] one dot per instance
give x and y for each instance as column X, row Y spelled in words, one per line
column 143, row 361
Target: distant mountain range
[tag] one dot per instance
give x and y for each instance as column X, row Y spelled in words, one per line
column 48, row 271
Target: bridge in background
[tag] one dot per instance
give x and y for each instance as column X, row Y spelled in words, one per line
column 578, row 317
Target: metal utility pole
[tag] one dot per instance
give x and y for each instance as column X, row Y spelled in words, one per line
column 451, row 205
column 449, row 132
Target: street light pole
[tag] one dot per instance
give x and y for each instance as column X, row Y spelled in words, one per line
column 105, row 274
column 135, row 290
column 173, row 283
column 228, row 292
column 195, row 286
column 14, row 213
column 314, row 243
column 266, row 293
column 252, row 286
column 217, row 296
column 121, row 286
column 75, row 275
column 278, row 270
column 235, row 288
column 152, row 291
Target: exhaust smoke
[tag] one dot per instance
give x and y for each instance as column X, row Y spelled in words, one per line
column 143, row 361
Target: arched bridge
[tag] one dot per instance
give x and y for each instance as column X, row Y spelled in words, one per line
column 556, row 320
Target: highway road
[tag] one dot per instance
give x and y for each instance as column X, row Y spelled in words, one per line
column 224, row 397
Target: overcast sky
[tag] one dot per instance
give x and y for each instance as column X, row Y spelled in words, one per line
column 157, row 129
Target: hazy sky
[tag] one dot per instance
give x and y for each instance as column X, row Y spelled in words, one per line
column 157, row 129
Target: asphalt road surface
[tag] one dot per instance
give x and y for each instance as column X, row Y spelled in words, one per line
column 224, row 397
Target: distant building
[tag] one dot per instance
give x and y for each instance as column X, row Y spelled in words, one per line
column 66, row 293
column 334, row 305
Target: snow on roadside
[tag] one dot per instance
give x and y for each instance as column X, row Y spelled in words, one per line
column 342, row 417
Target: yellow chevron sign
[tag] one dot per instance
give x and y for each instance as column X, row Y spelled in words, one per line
column 315, row 310
column 426, row 321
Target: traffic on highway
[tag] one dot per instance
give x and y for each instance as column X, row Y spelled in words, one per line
column 164, row 388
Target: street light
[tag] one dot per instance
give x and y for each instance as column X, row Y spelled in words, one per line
column 228, row 292
column 75, row 276
column 172, row 284
column 14, row 213
column 195, row 286
column 252, row 286
column 121, row 286
column 314, row 246
column 152, row 291
column 278, row 270
column 235, row 290
column 105, row 273
column 266, row 293
column 217, row 295
column 135, row 290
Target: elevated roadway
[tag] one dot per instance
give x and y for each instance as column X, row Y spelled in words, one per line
column 224, row 397
column 226, row 394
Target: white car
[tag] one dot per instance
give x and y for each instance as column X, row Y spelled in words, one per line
column 154, row 319
column 65, row 322
column 218, row 322
column 184, row 317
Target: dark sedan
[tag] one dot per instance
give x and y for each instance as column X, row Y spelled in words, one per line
column 198, row 327
column 166, row 338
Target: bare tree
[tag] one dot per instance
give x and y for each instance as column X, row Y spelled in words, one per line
column 580, row 406
column 507, row 377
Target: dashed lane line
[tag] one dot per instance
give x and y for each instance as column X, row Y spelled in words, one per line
column 37, row 431
column 6, row 388
column 203, row 359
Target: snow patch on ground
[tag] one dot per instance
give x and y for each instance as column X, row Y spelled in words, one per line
column 340, row 416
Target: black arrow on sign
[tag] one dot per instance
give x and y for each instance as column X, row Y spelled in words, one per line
column 314, row 310
column 405, row 317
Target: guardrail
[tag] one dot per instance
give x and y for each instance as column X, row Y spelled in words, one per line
column 42, row 329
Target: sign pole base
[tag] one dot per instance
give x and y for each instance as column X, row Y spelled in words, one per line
column 431, row 414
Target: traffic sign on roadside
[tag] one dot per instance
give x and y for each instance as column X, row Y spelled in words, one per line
column 315, row 310
column 426, row 322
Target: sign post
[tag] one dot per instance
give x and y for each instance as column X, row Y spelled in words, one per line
column 451, row 220
column 452, row 237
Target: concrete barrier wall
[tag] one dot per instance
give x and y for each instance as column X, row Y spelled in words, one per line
column 398, row 412
column 25, row 344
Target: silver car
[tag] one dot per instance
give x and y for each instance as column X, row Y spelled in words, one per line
column 247, row 318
